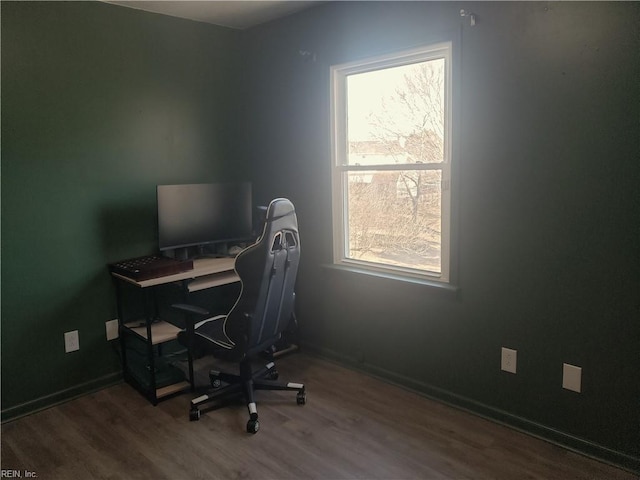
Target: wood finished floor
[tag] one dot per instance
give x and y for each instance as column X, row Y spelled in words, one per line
column 352, row 427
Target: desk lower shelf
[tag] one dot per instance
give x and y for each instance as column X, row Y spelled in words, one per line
column 171, row 389
column 161, row 331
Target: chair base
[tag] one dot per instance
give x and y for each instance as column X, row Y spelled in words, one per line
column 244, row 384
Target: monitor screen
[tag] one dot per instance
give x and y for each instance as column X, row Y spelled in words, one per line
column 200, row 214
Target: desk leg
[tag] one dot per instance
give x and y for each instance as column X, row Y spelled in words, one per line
column 189, row 329
column 149, row 313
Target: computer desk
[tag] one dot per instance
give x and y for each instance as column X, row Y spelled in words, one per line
column 206, row 273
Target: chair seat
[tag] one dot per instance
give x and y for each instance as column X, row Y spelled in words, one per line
column 209, row 338
column 212, row 330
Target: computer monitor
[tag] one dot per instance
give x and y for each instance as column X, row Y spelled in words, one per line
column 194, row 216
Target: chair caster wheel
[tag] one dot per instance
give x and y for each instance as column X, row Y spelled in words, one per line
column 273, row 374
column 301, row 398
column 214, row 379
column 194, row 414
column 253, row 426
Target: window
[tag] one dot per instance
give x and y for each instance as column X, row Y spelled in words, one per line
column 391, row 162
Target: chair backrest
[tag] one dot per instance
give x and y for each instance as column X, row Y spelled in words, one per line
column 267, row 271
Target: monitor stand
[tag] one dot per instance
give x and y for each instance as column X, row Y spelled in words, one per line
column 181, row 253
column 219, row 250
column 204, row 252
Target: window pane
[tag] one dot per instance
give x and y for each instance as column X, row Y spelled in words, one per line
column 391, row 154
column 396, row 115
column 394, row 218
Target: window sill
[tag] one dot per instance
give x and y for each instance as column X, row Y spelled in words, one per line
column 436, row 287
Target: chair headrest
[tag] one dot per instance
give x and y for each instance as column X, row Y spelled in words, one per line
column 278, row 208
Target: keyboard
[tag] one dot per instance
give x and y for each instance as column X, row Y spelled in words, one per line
column 150, row 266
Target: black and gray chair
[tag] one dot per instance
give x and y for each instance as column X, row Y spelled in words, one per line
column 267, row 271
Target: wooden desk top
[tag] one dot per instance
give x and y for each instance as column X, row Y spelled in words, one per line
column 201, row 267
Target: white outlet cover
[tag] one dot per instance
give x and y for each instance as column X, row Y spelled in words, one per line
column 111, row 329
column 509, row 360
column 571, row 377
column 71, row 341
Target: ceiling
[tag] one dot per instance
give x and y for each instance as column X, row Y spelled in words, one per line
column 235, row 14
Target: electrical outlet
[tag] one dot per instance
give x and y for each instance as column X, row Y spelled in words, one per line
column 509, row 360
column 571, row 377
column 111, row 328
column 71, row 341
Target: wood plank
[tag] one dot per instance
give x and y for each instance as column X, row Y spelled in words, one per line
column 171, row 389
column 161, row 331
column 214, row 280
column 201, row 267
column 353, row 426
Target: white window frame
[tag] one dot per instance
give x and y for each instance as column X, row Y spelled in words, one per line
column 340, row 164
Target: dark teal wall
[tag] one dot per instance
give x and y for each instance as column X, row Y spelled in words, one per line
column 99, row 104
column 546, row 199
